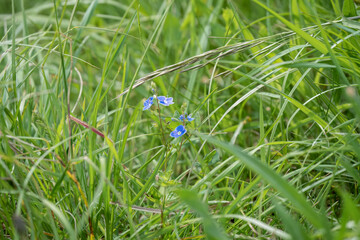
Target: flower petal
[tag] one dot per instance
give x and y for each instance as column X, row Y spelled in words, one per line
column 169, row 101
column 180, row 128
column 165, row 101
column 174, row 134
column 178, row 132
column 189, row 118
column 147, row 103
column 161, row 99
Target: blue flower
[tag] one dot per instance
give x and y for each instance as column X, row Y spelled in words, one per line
column 148, row 103
column 189, row 118
column 165, row 101
column 178, row 132
column 183, row 116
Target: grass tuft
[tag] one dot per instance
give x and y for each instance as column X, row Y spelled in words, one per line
column 267, row 93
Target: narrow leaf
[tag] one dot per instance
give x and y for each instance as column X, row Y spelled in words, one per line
column 313, row 41
column 275, row 180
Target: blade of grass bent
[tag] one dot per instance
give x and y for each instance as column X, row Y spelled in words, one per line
column 313, row 41
column 211, row 228
column 276, row 181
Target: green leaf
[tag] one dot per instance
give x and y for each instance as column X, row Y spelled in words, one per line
column 313, row 41
column 64, row 220
column 293, row 227
column 353, row 172
column 307, row 111
column 349, row 8
column 308, row 65
column 351, row 23
column 211, row 227
column 349, row 218
column 276, row 181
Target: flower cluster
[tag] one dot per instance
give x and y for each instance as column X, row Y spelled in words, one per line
column 185, row 116
column 179, row 130
column 162, row 100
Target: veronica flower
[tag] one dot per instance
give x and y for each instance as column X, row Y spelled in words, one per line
column 148, row 102
column 178, row 132
column 165, row 101
column 188, row 117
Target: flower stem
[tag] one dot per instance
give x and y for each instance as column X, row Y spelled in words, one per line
column 181, row 143
column 179, row 153
column 161, row 127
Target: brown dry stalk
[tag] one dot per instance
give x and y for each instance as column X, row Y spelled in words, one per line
column 84, row 124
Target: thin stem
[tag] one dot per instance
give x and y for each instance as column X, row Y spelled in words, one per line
column 161, row 127
column 162, row 208
column 68, row 99
column 179, row 153
column 167, row 154
column 181, row 143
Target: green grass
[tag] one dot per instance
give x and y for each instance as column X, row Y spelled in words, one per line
column 273, row 152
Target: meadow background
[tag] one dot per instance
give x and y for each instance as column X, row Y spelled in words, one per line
column 273, row 150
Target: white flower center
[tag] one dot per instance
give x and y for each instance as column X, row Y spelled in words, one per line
column 178, row 132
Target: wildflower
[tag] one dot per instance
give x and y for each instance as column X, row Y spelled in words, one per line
column 188, row 117
column 178, row 132
column 165, row 101
column 148, row 103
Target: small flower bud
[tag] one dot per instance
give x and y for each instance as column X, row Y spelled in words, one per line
column 153, row 87
column 184, row 107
